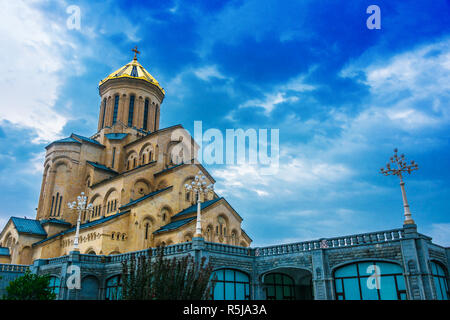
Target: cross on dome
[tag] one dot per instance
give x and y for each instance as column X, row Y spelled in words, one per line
column 135, row 50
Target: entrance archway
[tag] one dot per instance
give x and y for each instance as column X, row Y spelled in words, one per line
column 287, row 284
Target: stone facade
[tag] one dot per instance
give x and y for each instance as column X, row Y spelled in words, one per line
column 312, row 264
column 134, row 175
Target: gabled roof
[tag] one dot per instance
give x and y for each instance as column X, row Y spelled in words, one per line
column 101, row 167
column 4, row 251
column 151, row 194
column 64, row 140
column 193, row 208
column 116, row 136
column 84, row 226
column 174, row 225
column 29, row 226
column 85, row 139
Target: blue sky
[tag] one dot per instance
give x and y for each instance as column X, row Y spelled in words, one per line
column 343, row 97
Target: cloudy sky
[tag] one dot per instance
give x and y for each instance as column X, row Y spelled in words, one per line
column 342, row 96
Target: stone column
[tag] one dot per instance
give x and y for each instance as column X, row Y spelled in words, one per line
column 109, row 111
column 157, row 118
column 137, row 112
column 100, row 115
column 322, row 280
column 151, row 117
column 124, row 100
column 413, row 270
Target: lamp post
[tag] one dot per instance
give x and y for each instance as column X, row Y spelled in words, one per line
column 80, row 205
column 401, row 166
column 199, row 187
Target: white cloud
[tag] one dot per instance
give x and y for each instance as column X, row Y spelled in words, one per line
column 283, row 93
column 208, row 72
column 294, row 176
column 32, row 67
column 440, row 232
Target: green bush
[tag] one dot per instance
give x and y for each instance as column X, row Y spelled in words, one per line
column 29, row 287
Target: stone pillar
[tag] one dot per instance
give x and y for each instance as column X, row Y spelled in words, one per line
column 100, row 115
column 413, row 266
column 138, row 106
column 109, row 109
column 69, row 272
column 124, row 100
column 151, row 117
column 322, row 280
column 157, row 118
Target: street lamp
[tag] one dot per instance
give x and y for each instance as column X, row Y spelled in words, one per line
column 401, row 166
column 80, row 205
column 199, row 187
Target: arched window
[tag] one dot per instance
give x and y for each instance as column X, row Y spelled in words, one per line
column 373, row 280
column 116, row 108
column 145, row 114
column 230, row 284
column 131, row 111
column 279, row 286
column 54, row 285
column 440, row 281
column 104, row 112
column 114, row 288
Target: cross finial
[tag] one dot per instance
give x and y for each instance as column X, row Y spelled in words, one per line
column 135, row 50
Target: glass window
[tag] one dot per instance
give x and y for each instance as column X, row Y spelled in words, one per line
column 145, row 114
column 114, row 288
column 131, row 111
column 371, row 280
column 279, row 286
column 104, row 112
column 116, row 107
column 54, row 285
column 230, row 285
column 440, row 281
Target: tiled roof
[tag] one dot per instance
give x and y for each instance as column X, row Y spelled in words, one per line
column 30, row 226
column 151, row 194
column 193, row 209
column 174, row 225
column 116, row 136
column 168, row 169
column 4, row 251
column 102, row 167
column 84, row 226
column 56, row 221
column 86, row 139
column 65, row 140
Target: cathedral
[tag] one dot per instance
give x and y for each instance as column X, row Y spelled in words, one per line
column 132, row 172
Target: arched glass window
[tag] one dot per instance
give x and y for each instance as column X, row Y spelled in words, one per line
column 440, row 281
column 116, row 108
column 131, row 111
column 279, row 286
column 230, row 284
column 104, row 112
column 114, row 288
column 145, row 114
column 54, row 285
column 373, row 280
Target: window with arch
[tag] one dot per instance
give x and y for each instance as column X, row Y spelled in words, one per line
column 229, row 284
column 145, row 114
column 114, row 288
column 440, row 281
column 279, row 286
column 131, row 111
column 116, row 108
column 370, row 280
column 54, row 285
column 104, row 112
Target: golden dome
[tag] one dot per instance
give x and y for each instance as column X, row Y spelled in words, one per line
column 135, row 70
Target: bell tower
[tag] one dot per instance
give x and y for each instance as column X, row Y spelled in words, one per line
column 132, row 97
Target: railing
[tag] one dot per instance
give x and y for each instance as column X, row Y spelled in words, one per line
column 13, row 268
column 57, row 260
column 229, row 249
column 339, row 242
column 169, row 250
